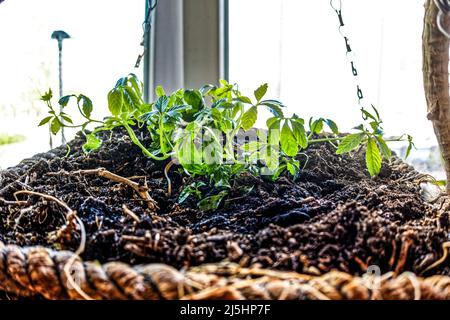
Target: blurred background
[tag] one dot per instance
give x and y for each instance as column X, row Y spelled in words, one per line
column 293, row 45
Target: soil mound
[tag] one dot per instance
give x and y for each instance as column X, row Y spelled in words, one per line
column 334, row 216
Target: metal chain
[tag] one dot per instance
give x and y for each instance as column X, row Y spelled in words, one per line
column 146, row 26
column 337, row 7
column 444, row 10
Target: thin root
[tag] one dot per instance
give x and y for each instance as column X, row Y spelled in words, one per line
column 45, row 196
column 140, row 190
column 13, row 203
column 166, row 173
column 403, row 255
column 130, row 213
column 394, row 252
column 70, row 215
column 445, row 247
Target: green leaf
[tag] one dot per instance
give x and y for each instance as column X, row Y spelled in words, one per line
column 373, row 157
column 274, row 107
column 350, row 142
column 216, row 115
column 47, row 96
column 278, row 171
column 410, row 146
column 192, row 189
column 374, row 125
column 135, row 83
column 115, row 101
column 252, row 146
column 160, row 91
column 288, row 142
column 377, row 113
column 131, row 99
column 211, row 203
column 67, row 118
column 92, row 143
column 260, row 92
column 187, row 191
column 271, row 122
column 271, row 157
column 299, row 133
column 244, row 99
column 273, row 137
column 63, row 101
column 332, row 125
column 55, row 126
column 45, row 120
column 292, row 170
column 439, row 183
column 161, row 103
column 316, row 126
column 368, row 115
column 249, row 118
column 194, row 98
column 86, row 105
column 384, row 147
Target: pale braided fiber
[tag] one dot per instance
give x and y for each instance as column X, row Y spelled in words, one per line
column 39, row 271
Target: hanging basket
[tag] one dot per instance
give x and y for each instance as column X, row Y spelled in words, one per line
column 37, row 271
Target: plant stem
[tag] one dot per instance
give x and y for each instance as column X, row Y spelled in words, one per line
column 341, row 138
column 325, row 140
column 136, row 141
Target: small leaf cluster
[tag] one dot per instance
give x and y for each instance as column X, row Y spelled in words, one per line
column 372, row 136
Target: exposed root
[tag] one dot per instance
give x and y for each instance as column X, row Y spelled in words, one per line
column 140, row 190
column 394, row 252
column 403, row 255
column 445, row 247
column 13, row 203
column 46, row 196
column 70, row 216
column 166, row 174
column 12, row 184
column 71, row 261
column 361, row 263
column 130, row 213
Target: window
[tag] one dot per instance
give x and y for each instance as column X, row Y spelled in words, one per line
column 296, row 47
column 105, row 42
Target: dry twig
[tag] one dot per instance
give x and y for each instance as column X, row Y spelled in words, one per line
column 140, row 190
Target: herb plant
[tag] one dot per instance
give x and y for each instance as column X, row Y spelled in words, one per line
column 199, row 129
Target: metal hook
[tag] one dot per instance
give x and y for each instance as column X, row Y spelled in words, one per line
column 336, row 8
column 444, row 7
column 439, row 18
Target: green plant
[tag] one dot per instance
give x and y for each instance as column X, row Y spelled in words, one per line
column 198, row 129
column 8, row 139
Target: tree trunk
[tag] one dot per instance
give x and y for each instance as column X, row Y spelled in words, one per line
column 435, row 48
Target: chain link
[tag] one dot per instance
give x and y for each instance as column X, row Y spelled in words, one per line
column 444, row 10
column 337, row 7
column 146, row 26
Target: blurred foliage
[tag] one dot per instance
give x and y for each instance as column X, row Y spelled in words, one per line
column 8, row 139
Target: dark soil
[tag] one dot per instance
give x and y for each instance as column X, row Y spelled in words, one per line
column 333, row 217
